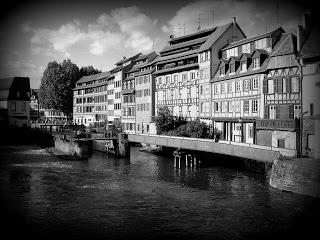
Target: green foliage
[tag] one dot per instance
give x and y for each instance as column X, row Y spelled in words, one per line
column 57, row 83
column 88, row 70
column 194, row 129
column 164, row 120
column 167, row 124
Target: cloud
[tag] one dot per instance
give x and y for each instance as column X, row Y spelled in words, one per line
column 253, row 17
column 123, row 27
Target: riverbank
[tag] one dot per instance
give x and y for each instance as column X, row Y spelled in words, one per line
column 143, row 197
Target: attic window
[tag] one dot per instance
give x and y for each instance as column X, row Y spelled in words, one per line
column 222, row 71
column 256, row 63
column 243, row 66
column 232, row 67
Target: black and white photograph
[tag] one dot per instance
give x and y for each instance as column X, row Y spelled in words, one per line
column 169, row 119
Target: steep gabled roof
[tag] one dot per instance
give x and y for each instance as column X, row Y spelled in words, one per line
column 250, row 39
column 214, row 37
column 311, row 46
column 286, row 45
column 184, row 44
column 93, row 77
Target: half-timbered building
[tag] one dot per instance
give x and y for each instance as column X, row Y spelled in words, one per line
column 177, row 70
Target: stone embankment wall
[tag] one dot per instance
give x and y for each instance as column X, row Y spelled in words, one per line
column 297, row 175
column 73, row 147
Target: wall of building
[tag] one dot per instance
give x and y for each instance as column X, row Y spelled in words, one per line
column 311, row 95
column 181, row 96
column 144, row 103
column 20, row 115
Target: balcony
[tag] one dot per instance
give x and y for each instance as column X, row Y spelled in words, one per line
column 287, row 124
column 128, row 91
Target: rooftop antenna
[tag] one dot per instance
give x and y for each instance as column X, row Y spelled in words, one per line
column 199, row 26
column 212, row 17
column 277, row 12
column 179, row 30
column 184, row 29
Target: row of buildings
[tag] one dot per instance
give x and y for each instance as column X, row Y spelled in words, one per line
column 19, row 104
column 253, row 89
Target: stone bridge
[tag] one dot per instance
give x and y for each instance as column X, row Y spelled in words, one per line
column 243, row 150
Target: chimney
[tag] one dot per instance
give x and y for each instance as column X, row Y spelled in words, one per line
column 300, row 37
column 234, row 20
column 306, row 21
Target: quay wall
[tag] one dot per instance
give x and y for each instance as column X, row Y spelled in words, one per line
column 73, row 147
column 297, row 175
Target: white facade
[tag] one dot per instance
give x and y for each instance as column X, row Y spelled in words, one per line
column 180, row 92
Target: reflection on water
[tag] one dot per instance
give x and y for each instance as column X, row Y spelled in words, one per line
column 143, row 197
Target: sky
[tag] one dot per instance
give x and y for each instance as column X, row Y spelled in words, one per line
column 100, row 33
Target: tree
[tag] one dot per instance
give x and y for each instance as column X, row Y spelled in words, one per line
column 88, row 70
column 164, row 120
column 56, row 86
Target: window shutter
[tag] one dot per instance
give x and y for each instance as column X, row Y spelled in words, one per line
column 250, row 84
column 291, row 111
column 265, row 86
column 277, row 112
column 266, row 112
column 279, row 85
column 275, row 86
column 288, row 85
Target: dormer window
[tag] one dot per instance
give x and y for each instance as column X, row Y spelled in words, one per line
column 243, row 66
column 221, row 70
column 256, row 63
column 232, row 68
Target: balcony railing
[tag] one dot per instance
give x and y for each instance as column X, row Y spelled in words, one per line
column 128, row 91
column 287, row 124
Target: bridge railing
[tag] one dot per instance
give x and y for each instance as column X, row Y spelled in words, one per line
column 283, row 151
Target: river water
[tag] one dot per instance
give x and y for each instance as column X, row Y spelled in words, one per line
column 142, row 198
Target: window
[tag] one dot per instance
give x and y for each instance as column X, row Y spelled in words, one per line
column 246, row 106
column 272, row 112
column 311, row 109
column 13, row 106
column 281, row 143
column 237, row 106
column 232, row 52
column 294, row 84
column 206, row 56
column 246, row 85
column 201, row 90
column 246, row 48
column 175, row 78
column 229, row 87
column 254, row 83
column 296, row 111
column 270, row 86
column 184, row 77
column 261, row 44
column 224, row 107
column 223, row 87
column 216, row 89
column 193, row 75
column 232, row 68
column 222, row 71
column 238, row 86
column 216, row 107
column 256, row 63
column 255, row 106
column 230, row 106
column 243, row 66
